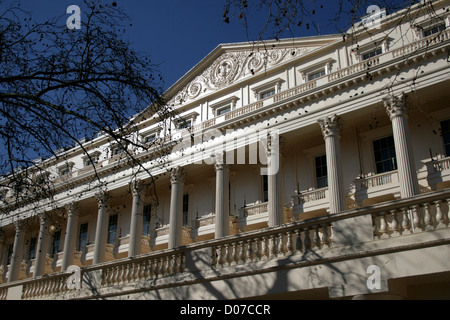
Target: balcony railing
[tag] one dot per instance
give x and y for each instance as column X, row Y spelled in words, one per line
column 422, row 213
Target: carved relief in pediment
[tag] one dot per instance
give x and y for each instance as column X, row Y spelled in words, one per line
column 232, row 66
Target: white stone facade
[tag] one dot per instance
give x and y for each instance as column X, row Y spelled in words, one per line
column 291, row 156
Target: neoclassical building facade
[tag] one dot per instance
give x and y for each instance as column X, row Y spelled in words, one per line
column 314, row 168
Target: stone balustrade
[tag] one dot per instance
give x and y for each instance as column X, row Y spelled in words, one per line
column 422, row 213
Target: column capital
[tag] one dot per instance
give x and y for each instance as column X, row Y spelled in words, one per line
column 220, row 162
column 72, row 209
column 396, row 105
column 330, row 125
column 136, row 187
column 19, row 225
column 103, row 198
column 43, row 218
column 177, row 175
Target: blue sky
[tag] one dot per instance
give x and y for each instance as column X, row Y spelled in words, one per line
column 176, row 34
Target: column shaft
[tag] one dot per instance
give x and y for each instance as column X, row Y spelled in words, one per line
column 16, row 259
column 330, row 129
column 275, row 209
column 222, row 201
column 397, row 110
column 176, row 207
column 101, row 228
column 134, row 247
column 70, row 237
column 42, row 246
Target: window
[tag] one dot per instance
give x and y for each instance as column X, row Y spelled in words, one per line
column 223, row 110
column 56, row 242
column 371, row 54
column 316, row 74
column 267, row 93
column 112, row 229
column 10, row 252
column 150, row 138
column 265, row 188
column 146, row 219
column 384, row 152
column 320, row 163
column 186, row 209
column 82, row 237
column 65, row 171
column 433, row 30
column 445, row 131
column 32, row 251
column 91, row 159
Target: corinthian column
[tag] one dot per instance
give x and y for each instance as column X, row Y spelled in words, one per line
column 397, row 110
column 71, row 234
column 17, row 253
column 176, row 207
column 330, row 127
column 101, row 229
column 134, row 247
column 222, row 198
column 42, row 246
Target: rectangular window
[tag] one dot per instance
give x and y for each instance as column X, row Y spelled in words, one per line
column 56, row 242
column 445, row 131
column 223, row 110
column 186, row 209
column 266, row 94
column 112, row 229
column 434, row 30
column 384, row 152
column 146, row 219
column 10, row 252
column 150, row 138
column 32, row 251
column 372, row 54
column 184, row 124
column 82, row 237
column 320, row 164
column 265, row 188
column 316, row 74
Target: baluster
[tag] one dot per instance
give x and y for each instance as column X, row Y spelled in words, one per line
column 230, row 251
column 222, row 255
column 325, row 236
column 316, row 238
column 446, row 218
column 439, row 215
column 416, row 217
column 152, row 268
column 298, row 240
column 394, row 224
column 383, row 224
column 405, row 226
column 274, row 247
column 214, row 257
column 307, row 240
column 427, row 220
column 250, row 251
column 259, row 249
column 290, row 242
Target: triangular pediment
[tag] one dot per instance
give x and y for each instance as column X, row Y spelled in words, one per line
column 231, row 63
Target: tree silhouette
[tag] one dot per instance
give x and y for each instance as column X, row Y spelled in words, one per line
column 60, row 86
